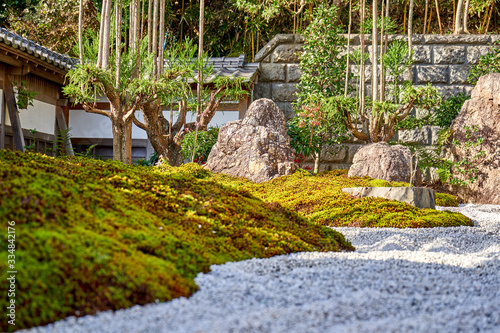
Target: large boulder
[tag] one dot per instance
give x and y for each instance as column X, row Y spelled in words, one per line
column 383, row 161
column 256, row 147
column 478, row 118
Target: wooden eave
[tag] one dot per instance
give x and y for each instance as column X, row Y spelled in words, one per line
column 25, row 63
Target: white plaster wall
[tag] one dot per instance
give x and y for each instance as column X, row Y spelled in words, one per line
column 89, row 125
column 40, row 116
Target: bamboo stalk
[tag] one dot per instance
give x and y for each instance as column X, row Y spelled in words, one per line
column 439, row 18
column 425, row 15
column 489, row 17
column 348, row 49
column 430, row 18
column 118, row 14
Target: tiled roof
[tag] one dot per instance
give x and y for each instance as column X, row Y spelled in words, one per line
column 25, row 45
column 233, row 67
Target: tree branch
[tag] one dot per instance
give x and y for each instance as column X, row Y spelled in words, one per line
column 138, row 123
column 352, row 129
column 92, row 109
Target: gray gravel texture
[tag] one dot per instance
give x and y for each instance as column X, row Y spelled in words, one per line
column 397, row 280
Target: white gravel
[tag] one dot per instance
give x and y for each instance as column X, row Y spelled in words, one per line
column 397, row 280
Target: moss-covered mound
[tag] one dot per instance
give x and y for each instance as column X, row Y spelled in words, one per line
column 93, row 235
column 321, row 199
column 446, row 200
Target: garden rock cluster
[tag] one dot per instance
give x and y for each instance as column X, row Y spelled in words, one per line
column 382, row 161
column 479, row 119
column 256, row 147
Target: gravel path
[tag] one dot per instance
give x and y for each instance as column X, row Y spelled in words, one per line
column 397, row 280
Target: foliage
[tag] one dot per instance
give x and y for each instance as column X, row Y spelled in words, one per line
column 25, row 96
column 320, row 198
column 153, row 159
column 32, row 147
column 446, row 200
column 94, row 236
column 487, row 63
column 323, row 71
column 205, row 141
column 448, row 110
column 54, row 23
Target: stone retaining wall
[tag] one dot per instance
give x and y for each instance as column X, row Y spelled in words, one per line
column 441, row 60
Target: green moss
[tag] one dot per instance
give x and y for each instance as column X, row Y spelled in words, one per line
column 320, row 198
column 94, row 235
column 379, row 183
column 446, row 200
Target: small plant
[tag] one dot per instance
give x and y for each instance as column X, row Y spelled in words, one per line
column 204, row 143
column 447, row 168
column 25, row 97
column 487, row 63
column 448, row 110
column 150, row 162
column 32, row 146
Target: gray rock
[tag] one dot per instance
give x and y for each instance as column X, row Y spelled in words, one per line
column 482, row 112
column 420, row 197
column 432, row 74
column 382, row 161
column 457, row 39
column 287, row 110
column 419, row 136
column 256, row 147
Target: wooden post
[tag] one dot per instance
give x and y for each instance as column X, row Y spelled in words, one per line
column 243, row 107
column 2, row 119
column 15, row 122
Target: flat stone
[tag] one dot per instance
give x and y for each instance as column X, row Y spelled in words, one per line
column 449, row 54
column 287, row 110
column 414, row 136
column 419, row 197
column 432, row 74
column 272, row 72
column 457, row 39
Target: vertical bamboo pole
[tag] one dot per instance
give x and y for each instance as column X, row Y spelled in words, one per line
column 348, row 49
column 374, row 52
column 425, row 15
column 439, row 18
column 118, row 40
column 161, row 39
column 200, row 74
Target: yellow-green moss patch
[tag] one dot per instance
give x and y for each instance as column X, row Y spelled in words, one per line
column 446, row 200
column 320, row 198
column 94, row 235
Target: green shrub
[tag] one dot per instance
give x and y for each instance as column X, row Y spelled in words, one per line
column 448, row 110
column 446, row 200
column 204, row 143
column 487, row 63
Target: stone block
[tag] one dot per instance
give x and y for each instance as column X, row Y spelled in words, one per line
column 287, row 110
column 300, row 39
column 333, row 154
column 433, row 133
column 457, row 39
column 419, row 136
column 272, row 72
column 292, row 73
column 351, row 151
column 449, row 54
column 262, row 90
column 269, row 47
column 419, row 197
column 475, row 52
column 287, row 54
column 432, row 74
column 459, row 74
column 451, row 91
column 284, row 92
column 422, row 54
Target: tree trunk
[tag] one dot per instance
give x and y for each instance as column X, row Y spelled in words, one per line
column 122, row 139
column 348, row 49
column 80, row 30
column 410, row 36
column 106, row 35
column 316, row 162
column 374, row 52
column 459, row 29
